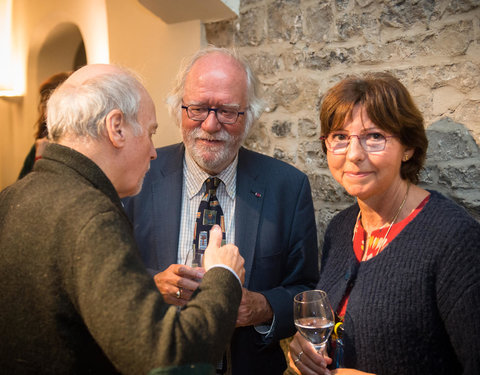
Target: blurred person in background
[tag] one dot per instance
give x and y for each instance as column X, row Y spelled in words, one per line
column 41, row 132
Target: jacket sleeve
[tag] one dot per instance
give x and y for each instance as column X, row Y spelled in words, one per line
column 125, row 313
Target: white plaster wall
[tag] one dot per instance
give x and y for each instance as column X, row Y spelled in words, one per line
column 119, row 31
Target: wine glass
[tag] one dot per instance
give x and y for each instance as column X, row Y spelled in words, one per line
column 314, row 318
column 193, row 260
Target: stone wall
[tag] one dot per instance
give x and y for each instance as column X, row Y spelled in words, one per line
column 300, row 48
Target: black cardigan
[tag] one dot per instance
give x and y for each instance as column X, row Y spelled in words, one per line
column 414, row 307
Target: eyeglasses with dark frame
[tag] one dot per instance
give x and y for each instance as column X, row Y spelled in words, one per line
column 337, row 143
column 224, row 115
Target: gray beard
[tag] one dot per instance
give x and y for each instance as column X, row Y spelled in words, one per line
column 223, row 157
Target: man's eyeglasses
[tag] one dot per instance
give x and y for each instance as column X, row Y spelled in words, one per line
column 224, row 115
column 337, row 143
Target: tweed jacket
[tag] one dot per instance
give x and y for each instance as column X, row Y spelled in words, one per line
column 76, row 298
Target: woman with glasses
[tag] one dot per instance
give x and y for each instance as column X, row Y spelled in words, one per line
column 402, row 265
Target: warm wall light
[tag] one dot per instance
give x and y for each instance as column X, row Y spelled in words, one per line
column 12, row 71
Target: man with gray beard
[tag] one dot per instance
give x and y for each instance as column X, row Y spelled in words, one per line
column 266, row 209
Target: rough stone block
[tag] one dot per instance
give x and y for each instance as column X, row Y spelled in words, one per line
column 281, row 128
column 462, row 6
column 463, row 76
column 446, row 100
column 461, row 176
column 284, row 22
column 351, row 25
column 402, row 14
column 428, row 176
column 280, row 154
column 264, row 63
column 448, row 140
column 249, row 28
column 310, row 59
column 307, row 128
column 312, row 157
column 325, row 188
column 296, row 93
column 258, row 138
column 463, row 114
column 317, row 21
column 451, row 40
column 220, row 34
column 246, row 3
column 342, row 4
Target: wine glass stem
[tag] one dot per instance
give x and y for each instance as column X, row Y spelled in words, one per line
column 320, row 349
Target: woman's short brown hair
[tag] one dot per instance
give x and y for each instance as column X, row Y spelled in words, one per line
column 388, row 105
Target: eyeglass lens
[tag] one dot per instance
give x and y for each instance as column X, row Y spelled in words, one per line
column 224, row 115
column 338, row 143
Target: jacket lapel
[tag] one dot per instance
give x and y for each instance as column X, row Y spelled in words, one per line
column 248, row 207
column 167, row 197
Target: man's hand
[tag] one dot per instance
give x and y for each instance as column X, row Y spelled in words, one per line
column 178, row 282
column 227, row 254
column 254, row 309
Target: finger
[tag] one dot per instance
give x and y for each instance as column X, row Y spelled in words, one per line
column 190, row 273
column 313, row 361
column 186, row 294
column 215, row 240
column 188, row 285
column 292, row 364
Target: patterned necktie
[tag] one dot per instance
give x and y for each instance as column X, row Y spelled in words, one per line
column 209, row 213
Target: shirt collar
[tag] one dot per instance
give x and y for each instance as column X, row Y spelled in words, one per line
column 195, row 176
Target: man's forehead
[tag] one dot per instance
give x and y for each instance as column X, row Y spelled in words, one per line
column 216, row 64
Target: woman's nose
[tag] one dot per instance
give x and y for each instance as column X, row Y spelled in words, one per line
column 355, row 150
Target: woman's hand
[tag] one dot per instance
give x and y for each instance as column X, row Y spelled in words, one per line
column 305, row 360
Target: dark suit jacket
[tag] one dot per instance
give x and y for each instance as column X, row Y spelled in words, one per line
column 274, row 230
column 75, row 297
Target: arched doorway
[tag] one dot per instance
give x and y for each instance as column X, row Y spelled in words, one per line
column 63, row 50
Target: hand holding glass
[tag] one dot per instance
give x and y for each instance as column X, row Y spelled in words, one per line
column 313, row 317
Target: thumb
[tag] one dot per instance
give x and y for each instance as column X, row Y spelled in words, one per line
column 215, row 240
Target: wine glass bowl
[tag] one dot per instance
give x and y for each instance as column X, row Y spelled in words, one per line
column 193, row 260
column 313, row 317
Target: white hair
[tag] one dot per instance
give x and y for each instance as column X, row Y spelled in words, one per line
column 255, row 104
column 80, row 110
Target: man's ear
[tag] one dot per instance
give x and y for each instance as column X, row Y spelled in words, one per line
column 115, row 127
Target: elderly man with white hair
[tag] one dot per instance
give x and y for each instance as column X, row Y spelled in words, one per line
column 76, row 298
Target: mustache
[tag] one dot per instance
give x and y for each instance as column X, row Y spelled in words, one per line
column 222, row 135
